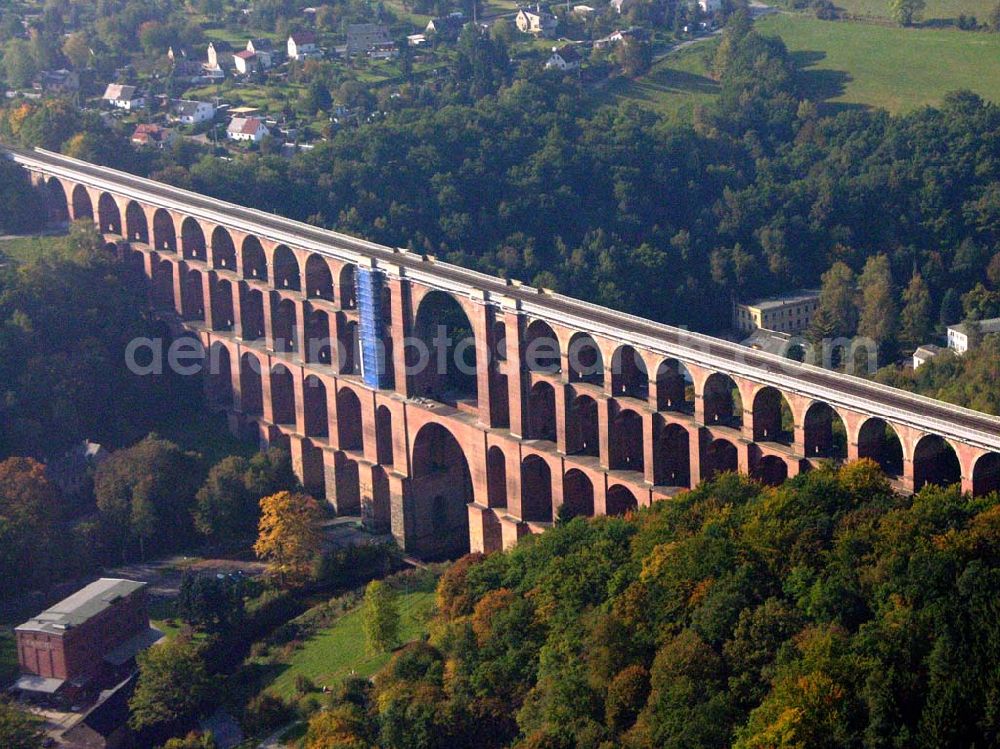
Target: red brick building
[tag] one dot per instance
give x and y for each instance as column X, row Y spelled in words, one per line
column 91, row 633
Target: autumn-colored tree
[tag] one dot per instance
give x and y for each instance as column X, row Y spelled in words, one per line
column 289, row 535
column 339, row 728
column 76, row 48
column 29, row 507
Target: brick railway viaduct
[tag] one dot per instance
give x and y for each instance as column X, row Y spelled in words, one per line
column 570, row 407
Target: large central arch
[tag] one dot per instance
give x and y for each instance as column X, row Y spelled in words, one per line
column 442, row 360
column 441, row 487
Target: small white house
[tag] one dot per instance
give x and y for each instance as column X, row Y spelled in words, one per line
column 246, row 62
column 924, row 354
column 958, row 335
column 247, row 129
column 564, row 58
column 189, row 112
column 302, row 46
column 124, row 97
column 710, row 6
column 265, row 51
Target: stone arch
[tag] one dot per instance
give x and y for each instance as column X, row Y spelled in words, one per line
column 137, row 228
column 496, row 477
column 771, row 470
column 674, row 387
column 251, row 313
column 620, row 501
column 935, row 462
column 319, row 279
column 222, row 303
column 282, row 395
column 164, row 233
column 772, row 417
column 318, row 344
column 449, row 374
column 192, row 296
column 163, row 284
column 192, row 240
column 82, row 205
column 286, row 269
column 109, row 217
column 251, row 390
column 586, row 364
column 578, row 495
column 536, row 490
column 254, row 259
column 56, row 201
column 878, row 441
column 720, row 456
column 223, row 249
column 348, row 291
column 986, row 474
column 825, row 433
column 671, row 454
column 349, row 348
column 350, row 429
column 542, row 412
column 583, row 433
column 441, row 486
column 314, row 407
column 723, row 405
column 629, row 377
column 220, row 377
column 383, row 435
column 541, row 348
column 626, row 441
column 284, row 321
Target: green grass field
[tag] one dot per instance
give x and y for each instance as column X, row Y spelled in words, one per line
column 26, row 249
column 672, row 87
column 335, row 652
column 894, row 68
column 936, row 10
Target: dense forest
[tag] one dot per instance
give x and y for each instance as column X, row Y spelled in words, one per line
column 524, row 176
column 829, row 612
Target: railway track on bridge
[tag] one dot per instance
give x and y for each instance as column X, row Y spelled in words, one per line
column 973, row 427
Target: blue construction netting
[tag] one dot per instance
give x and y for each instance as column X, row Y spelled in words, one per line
column 369, row 284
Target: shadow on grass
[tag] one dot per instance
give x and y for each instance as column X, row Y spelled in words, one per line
column 821, row 84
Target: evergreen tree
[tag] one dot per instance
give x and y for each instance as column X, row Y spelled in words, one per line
column 381, row 617
column 951, row 308
column 879, row 318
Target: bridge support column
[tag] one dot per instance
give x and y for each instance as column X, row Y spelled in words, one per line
column 207, row 298
column 483, row 331
column 604, row 431
column 268, row 322
column 648, row 449
column 694, row 455
column 515, row 369
column 400, row 325
column 180, row 270
column 560, row 416
column 299, row 331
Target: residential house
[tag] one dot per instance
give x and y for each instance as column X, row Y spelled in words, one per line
column 535, row 21
column 302, row 46
column 245, row 129
column 220, row 55
column 190, row 112
column 633, row 33
column 584, row 10
column 362, row 38
column 246, row 62
column 925, row 353
column 124, row 97
column 710, row 6
column 415, row 40
column 621, row 6
column 448, row 27
column 265, row 50
column 958, row 335
column 385, row 51
column 564, row 58
column 153, row 136
column 60, row 81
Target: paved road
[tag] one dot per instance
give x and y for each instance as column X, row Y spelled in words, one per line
column 915, row 409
